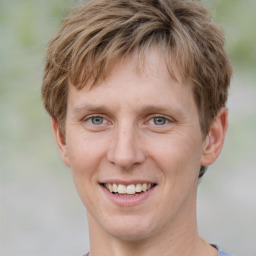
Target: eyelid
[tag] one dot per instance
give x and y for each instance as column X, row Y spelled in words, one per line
column 92, row 115
column 106, row 120
column 169, row 119
column 89, row 117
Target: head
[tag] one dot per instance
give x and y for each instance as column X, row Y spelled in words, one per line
column 106, row 36
column 95, row 36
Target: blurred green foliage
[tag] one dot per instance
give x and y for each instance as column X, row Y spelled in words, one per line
column 239, row 20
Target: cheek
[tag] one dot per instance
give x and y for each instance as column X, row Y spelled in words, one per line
column 84, row 163
column 179, row 161
column 84, row 151
column 86, row 154
column 177, row 155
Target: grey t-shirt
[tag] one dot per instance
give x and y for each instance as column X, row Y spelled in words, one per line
column 220, row 252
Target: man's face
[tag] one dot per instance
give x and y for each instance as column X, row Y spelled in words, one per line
column 141, row 132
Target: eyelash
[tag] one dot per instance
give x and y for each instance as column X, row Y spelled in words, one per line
column 90, row 120
column 166, row 120
column 151, row 120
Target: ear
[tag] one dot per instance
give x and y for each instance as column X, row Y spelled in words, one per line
column 215, row 138
column 61, row 143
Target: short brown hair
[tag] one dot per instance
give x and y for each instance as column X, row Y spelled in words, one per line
column 97, row 34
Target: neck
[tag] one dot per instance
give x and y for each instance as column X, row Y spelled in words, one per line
column 182, row 239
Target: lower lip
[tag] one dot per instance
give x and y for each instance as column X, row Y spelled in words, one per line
column 128, row 200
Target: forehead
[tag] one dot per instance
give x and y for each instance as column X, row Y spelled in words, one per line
column 137, row 85
column 156, row 59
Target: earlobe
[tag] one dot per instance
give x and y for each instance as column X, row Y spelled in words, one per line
column 215, row 138
column 61, row 143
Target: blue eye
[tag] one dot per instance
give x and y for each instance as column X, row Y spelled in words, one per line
column 97, row 120
column 159, row 120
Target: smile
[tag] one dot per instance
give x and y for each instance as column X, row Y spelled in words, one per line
column 129, row 190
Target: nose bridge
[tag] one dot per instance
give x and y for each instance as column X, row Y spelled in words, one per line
column 125, row 150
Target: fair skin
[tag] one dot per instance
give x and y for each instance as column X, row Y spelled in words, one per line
column 139, row 128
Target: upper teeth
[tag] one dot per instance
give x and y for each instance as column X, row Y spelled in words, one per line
column 130, row 189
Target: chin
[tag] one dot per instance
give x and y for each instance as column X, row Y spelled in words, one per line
column 130, row 235
column 130, row 230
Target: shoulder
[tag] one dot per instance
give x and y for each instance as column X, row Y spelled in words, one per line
column 222, row 253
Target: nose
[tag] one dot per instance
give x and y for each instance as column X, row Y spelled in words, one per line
column 125, row 150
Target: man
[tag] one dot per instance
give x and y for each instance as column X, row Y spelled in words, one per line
column 136, row 91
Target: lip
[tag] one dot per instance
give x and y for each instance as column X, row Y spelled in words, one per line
column 128, row 201
column 126, row 182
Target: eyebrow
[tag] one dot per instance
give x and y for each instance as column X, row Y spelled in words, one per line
column 90, row 108
column 145, row 109
column 159, row 108
column 164, row 109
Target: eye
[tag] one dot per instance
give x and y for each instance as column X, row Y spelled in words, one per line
column 96, row 120
column 96, row 123
column 159, row 120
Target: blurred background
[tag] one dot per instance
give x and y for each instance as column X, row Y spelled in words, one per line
column 40, row 212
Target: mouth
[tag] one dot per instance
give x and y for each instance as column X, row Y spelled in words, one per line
column 128, row 190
